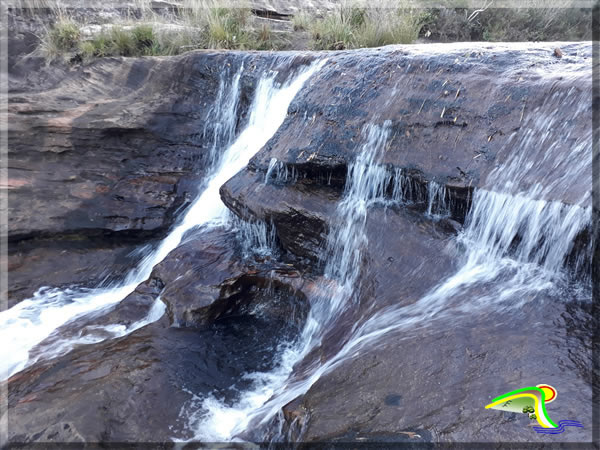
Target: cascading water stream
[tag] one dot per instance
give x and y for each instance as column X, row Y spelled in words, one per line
column 31, row 321
column 215, row 421
column 517, row 239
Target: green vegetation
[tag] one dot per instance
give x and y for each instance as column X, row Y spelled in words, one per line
column 536, row 24
column 353, row 27
column 61, row 38
column 510, row 24
column 195, row 25
column 202, row 24
column 301, row 21
column 139, row 40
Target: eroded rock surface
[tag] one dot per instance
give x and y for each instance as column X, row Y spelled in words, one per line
column 133, row 388
column 455, row 113
column 452, row 110
column 461, row 368
column 110, row 155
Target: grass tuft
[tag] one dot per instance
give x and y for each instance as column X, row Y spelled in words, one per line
column 195, row 24
column 301, row 21
column 354, row 27
column 63, row 37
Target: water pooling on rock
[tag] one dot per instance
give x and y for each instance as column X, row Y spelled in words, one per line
column 33, row 320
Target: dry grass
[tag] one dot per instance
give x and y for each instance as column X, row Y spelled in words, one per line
column 146, row 31
column 195, row 24
column 533, row 20
column 356, row 27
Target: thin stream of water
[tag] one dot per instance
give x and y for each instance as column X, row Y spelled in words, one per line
column 31, row 321
column 516, row 239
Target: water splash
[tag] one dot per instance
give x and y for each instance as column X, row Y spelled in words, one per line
column 93, row 334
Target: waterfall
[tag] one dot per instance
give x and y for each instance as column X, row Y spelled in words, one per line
column 436, row 202
column 517, row 239
column 214, row 421
column 223, row 112
column 257, row 238
column 31, row 321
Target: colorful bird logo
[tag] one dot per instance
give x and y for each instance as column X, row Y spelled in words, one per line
column 532, row 401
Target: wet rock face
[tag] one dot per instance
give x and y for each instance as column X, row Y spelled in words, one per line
column 452, row 109
column 117, row 146
column 83, row 262
column 138, row 158
column 463, row 367
column 207, row 278
column 455, row 113
column 110, row 155
column 423, row 384
column 134, row 388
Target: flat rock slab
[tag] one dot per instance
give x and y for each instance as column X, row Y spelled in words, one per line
column 440, row 379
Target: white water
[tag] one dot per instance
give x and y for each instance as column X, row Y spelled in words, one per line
column 257, row 238
column 31, row 321
column 437, row 200
column 517, row 240
column 214, row 421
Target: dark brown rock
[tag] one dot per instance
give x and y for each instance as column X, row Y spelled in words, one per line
column 207, row 277
column 430, row 380
column 455, row 116
column 70, row 261
column 108, row 157
column 133, row 388
column 443, row 376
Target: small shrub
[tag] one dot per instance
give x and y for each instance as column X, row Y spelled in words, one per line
column 333, row 31
column 353, row 27
column 536, row 24
column 301, row 21
column 65, row 35
column 144, row 38
column 100, row 46
column 62, row 38
column 386, row 27
column 174, row 44
column 263, row 38
column 87, row 50
column 227, row 28
column 451, row 25
column 122, row 42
